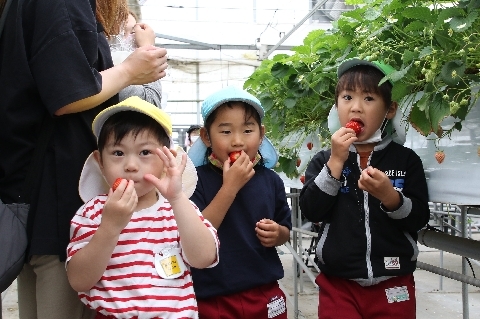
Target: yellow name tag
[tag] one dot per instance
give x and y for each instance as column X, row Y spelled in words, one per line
column 169, row 263
column 170, row 266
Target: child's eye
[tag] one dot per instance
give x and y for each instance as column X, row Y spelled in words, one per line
column 347, row 97
column 117, row 153
column 145, row 152
column 248, row 131
column 225, row 132
column 369, row 98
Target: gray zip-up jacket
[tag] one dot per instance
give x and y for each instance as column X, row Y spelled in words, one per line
column 359, row 239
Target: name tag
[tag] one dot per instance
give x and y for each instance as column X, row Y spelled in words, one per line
column 276, row 306
column 397, row 294
column 169, row 263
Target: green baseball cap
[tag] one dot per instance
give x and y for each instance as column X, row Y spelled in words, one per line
column 350, row 63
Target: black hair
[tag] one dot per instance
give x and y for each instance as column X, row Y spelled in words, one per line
column 250, row 112
column 193, row 128
column 366, row 78
column 123, row 123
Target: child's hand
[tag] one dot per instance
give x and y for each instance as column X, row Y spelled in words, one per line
column 378, row 184
column 236, row 175
column 268, row 232
column 170, row 184
column 341, row 141
column 119, row 206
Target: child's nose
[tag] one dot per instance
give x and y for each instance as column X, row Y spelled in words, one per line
column 356, row 106
column 237, row 139
column 131, row 164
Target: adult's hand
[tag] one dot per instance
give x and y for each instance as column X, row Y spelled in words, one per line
column 144, row 34
column 146, row 64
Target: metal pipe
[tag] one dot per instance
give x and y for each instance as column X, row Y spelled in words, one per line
column 463, row 220
column 456, row 245
column 318, row 5
column 296, row 266
column 448, row 273
column 302, row 264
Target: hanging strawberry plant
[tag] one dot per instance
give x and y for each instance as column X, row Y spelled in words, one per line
column 433, row 45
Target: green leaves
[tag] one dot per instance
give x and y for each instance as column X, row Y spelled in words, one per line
column 434, row 48
column 452, row 72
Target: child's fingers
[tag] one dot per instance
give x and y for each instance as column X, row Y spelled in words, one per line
column 174, row 152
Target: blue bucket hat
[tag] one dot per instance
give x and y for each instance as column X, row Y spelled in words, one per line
column 211, row 103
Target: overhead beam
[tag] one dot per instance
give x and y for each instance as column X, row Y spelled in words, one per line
column 276, row 46
column 216, row 46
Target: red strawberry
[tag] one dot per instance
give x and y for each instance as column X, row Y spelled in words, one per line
column 234, row 156
column 354, row 125
column 439, row 156
column 309, row 145
column 302, row 179
column 299, row 161
column 116, row 183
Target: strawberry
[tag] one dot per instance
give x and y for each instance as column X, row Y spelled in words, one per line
column 354, row 125
column 116, row 183
column 234, row 156
column 299, row 161
column 309, row 145
column 302, row 179
column 439, row 156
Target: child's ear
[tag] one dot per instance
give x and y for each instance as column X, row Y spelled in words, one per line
column 262, row 131
column 204, row 136
column 392, row 110
column 98, row 157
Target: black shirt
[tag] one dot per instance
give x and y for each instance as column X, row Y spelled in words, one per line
column 51, row 53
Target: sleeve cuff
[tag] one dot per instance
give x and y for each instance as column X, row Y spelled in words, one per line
column 327, row 183
column 402, row 211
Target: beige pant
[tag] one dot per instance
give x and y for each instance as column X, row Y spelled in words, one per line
column 44, row 291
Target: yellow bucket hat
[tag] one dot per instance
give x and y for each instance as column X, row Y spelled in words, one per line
column 133, row 103
column 92, row 183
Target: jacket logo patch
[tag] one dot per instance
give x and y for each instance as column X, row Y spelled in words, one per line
column 391, row 262
column 344, row 188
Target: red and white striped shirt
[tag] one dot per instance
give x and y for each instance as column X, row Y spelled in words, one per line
column 131, row 287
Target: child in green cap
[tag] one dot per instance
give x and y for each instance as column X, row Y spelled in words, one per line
column 370, row 195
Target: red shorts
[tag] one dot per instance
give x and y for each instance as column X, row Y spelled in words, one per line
column 341, row 298
column 267, row 301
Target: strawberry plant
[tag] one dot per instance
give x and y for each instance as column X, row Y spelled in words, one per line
column 434, row 46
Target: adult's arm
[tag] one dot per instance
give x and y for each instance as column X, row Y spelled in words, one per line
column 146, row 64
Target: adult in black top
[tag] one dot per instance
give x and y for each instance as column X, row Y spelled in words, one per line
column 55, row 61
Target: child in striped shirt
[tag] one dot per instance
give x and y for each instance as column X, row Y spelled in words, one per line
column 132, row 245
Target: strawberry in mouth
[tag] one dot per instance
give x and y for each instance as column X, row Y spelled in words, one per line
column 354, row 125
column 116, row 183
column 234, row 156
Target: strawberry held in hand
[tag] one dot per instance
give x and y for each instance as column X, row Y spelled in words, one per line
column 116, row 183
column 234, row 156
column 354, row 125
